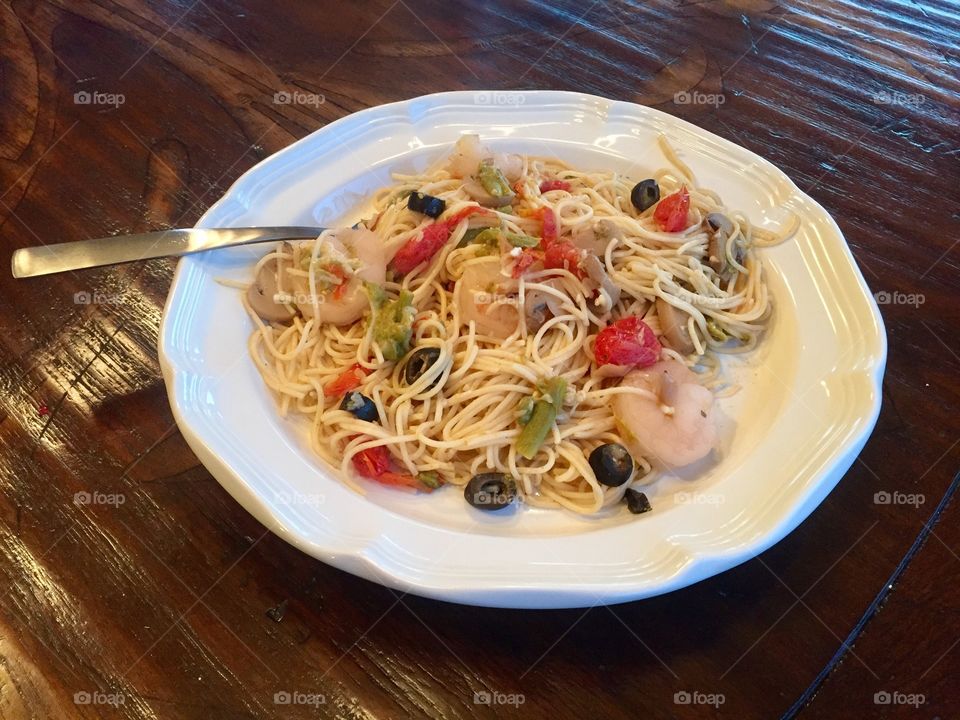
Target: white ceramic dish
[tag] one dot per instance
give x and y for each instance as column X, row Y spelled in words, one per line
column 811, row 393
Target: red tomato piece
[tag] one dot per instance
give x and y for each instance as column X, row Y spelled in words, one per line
column 548, row 185
column 557, row 253
column 527, row 258
column 671, row 213
column 420, row 249
column 373, row 462
column 563, row 254
column 336, row 269
column 347, row 381
column 628, row 341
column 549, row 220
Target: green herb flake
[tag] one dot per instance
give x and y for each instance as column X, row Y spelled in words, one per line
column 392, row 321
column 493, row 180
column 543, row 416
column 716, row 332
column 522, row 241
column 430, row 480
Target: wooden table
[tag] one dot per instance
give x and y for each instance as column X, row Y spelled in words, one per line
column 171, row 602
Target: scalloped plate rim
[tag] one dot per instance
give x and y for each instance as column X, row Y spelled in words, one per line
column 368, row 560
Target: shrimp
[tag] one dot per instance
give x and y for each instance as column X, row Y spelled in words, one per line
column 264, row 291
column 510, row 164
column 344, row 260
column 468, row 153
column 676, row 426
column 486, row 296
column 357, row 255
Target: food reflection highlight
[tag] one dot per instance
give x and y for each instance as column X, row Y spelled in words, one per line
column 526, row 330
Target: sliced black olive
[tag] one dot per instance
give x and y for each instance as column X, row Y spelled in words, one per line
column 612, row 464
column 360, row 406
column 419, row 362
column 645, row 194
column 637, row 502
column 426, row 204
column 490, row 491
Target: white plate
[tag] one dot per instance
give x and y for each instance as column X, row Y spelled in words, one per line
column 810, row 397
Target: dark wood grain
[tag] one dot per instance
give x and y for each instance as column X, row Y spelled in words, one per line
column 177, row 603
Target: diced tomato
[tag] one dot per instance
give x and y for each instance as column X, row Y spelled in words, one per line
column 563, row 254
column 336, row 269
column 527, row 258
column 549, row 220
column 422, row 248
column 628, row 341
column 548, row 185
column 347, row 381
column 373, row 462
column 671, row 213
column 558, row 253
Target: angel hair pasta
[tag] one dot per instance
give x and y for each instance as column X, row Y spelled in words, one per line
column 527, row 330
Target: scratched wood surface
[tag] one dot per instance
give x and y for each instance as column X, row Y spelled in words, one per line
column 166, row 600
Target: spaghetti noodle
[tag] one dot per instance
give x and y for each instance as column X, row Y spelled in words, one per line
column 523, row 318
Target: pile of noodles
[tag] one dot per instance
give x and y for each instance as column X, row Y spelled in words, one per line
column 467, row 422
